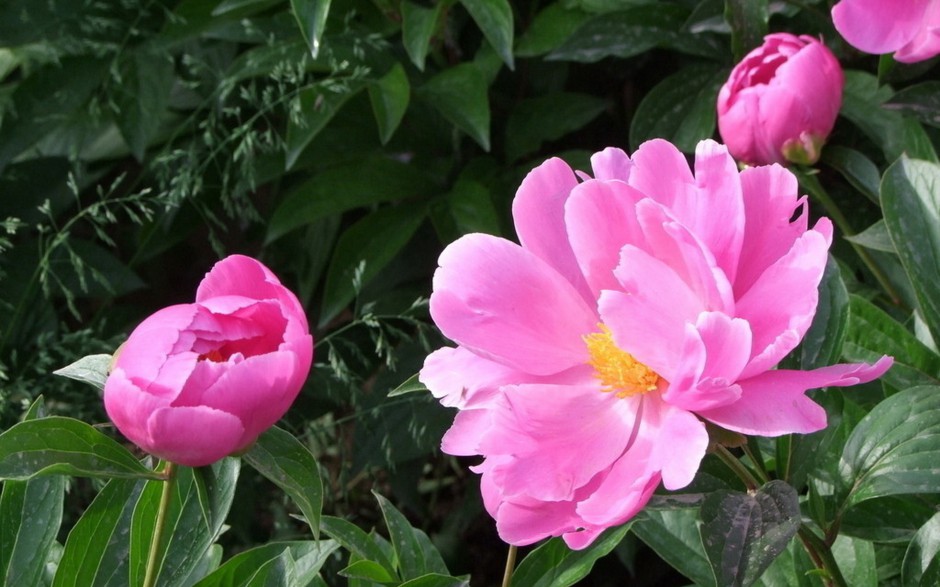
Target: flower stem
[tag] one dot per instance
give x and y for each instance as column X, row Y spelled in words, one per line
column 510, row 565
column 743, row 473
column 150, row 577
column 821, row 554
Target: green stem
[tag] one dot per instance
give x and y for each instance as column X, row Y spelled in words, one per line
column 832, row 209
column 153, row 558
column 753, row 453
column 510, row 565
column 743, row 473
column 822, row 557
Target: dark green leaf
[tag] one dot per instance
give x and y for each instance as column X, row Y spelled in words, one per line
column 822, row 344
column 91, row 369
column 680, row 109
column 549, row 29
column 856, row 560
column 459, row 93
column 307, row 557
column 921, row 101
column 338, row 189
column 311, row 17
column 748, row 20
column 199, row 503
column 96, row 551
column 553, row 564
column 363, row 250
column 874, row 237
column 910, row 198
column 436, row 580
column 318, row 105
column 494, row 17
column 355, row 540
column 893, row 519
column 921, row 566
column 674, row 535
column 405, row 544
column 630, row 32
column 895, row 448
column 142, row 97
column 418, row 25
column 410, row 385
column 873, row 333
column 57, row 445
column 857, row 169
column 790, row 569
column 547, row 118
column 744, row 532
column 287, row 463
column 389, row 97
column 368, row 570
column 470, row 206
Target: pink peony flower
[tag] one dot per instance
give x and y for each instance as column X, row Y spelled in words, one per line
column 197, row 382
column 640, row 305
column 781, row 101
column 908, row 28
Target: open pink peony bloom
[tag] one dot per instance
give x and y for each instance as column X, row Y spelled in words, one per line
column 640, row 304
column 908, row 28
column 197, row 382
column 781, row 101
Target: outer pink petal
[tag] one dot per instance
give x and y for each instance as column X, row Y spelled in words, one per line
column 538, row 212
column 601, row 219
column 770, row 199
column 781, row 304
column 611, row 163
column 661, row 172
column 193, row 436
column 879, row 26
column 143, row 357
column 470, row 427
column 774, row 402
column 679, row 447
column 461, row 379
column 737, row 111
column 560, row 437
column 648, row 318
column 129, row 407
column 926, row 43
column 504, row 303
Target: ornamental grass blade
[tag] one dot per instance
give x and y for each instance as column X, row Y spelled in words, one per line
column 743, row 533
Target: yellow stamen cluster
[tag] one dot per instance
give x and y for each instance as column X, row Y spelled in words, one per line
column 617, row 370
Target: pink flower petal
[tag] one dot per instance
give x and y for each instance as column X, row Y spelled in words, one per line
column 774, row 402
column 470, row 427
column 611, row 163
column 129, row 407
column 680, row 446
column 879, row 26
column 661, row 172
column 447, row 374
column 533, row 321
column 193, row 436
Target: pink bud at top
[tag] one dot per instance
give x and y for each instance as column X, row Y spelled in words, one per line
column 908, row 28
column 197, row 382
column 781, row 101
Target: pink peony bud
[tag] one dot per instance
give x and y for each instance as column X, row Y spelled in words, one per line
column 781, row 101
column 908, row 28
column 197, row 382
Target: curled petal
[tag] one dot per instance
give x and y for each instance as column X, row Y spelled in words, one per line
column 193, row 436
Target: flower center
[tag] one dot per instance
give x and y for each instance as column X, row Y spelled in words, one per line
column 214, row 355
column 617, row 370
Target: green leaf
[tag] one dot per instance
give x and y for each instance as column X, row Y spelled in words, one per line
column 893, row 519
column 363, row 250
column 822, row 344
column 468, row 207
column 418, row 25
column 199, row 503
column 680, row 109
column 856, row 560
column 673, row 534
column 459, row 93
column 30, row 516
column 549, row 29
column 875, row 237
column 873, row 333
column 553, row 564
column 318, row 105
column 790, row 569
column 744, row 532
column 368, row 570
column 355, row 540
column 142, row 97
column 895, row 448
column 307, row 556
column 856, row 168
column 287, row 463
column 436, row 580
column 910, row 199
column 410, row 385
column 628, row 33
column 405, row 544
column 535, row 121
column 748, row 20
column 494, row 17
column 389, row 97
column 921, row 566
column 311, row 17
column 91, row 369
column 58, row 445
column 921, row 101
column 96, row 552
